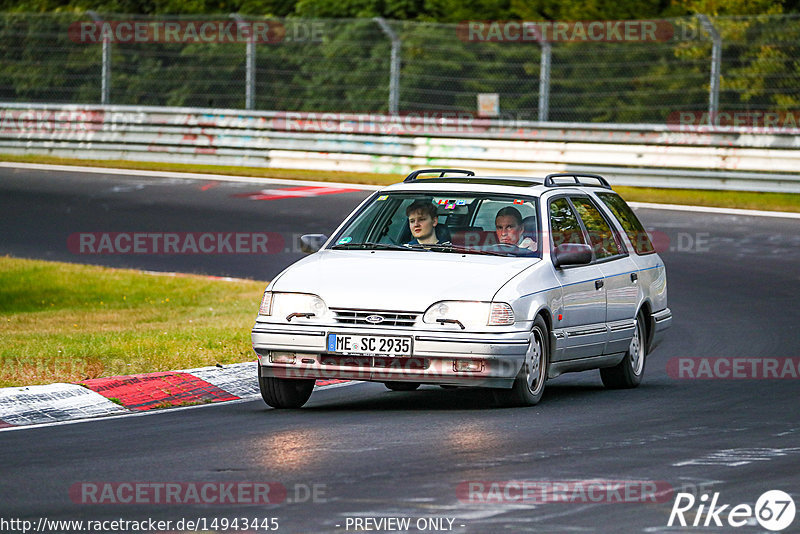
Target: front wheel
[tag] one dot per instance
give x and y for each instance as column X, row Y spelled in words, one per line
column 528, row 387
column 285, row 392
column 628, row 373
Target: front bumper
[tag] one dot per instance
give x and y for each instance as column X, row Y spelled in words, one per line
column 498, row 356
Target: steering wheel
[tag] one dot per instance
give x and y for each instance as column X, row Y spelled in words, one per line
column 503, row 247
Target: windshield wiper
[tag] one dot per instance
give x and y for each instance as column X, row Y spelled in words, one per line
column 436, row 247
column 459, row 249
column 368, row 245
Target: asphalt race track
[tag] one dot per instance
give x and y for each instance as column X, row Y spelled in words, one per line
column 363, row 452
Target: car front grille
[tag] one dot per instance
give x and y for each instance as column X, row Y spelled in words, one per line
column 376, row 362
column 390, row 318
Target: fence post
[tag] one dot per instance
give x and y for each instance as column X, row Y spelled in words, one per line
column 716, row 67
column 544, row 69
column 105, row 76
column 544, row 80
column 394, row 75
column 250, row 64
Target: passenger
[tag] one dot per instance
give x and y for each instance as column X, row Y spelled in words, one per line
column 422, row 220
column 510, row 230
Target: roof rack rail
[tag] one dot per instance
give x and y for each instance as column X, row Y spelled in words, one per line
column 413, row 176
column 549, row 182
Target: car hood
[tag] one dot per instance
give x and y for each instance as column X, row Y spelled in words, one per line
column 398, row 280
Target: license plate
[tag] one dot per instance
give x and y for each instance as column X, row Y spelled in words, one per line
column 399, row 346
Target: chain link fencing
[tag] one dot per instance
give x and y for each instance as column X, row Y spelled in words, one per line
column 564, row 73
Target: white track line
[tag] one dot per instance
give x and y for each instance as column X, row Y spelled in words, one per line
column 280, row 181
column 721, row 211
column 183, row 175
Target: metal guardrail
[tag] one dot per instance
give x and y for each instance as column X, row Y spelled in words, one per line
column 639, row 155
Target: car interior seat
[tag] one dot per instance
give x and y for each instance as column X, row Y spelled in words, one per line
column 530, row 228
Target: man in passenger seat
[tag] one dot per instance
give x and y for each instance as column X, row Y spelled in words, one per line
column 510, row 230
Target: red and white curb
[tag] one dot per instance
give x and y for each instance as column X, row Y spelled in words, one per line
column 119, row 395
column 55, row 402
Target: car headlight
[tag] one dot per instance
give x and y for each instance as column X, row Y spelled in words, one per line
column 469, row 314
column 291, row 306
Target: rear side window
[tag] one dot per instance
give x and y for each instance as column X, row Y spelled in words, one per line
column 604, row 243
column 630, row 223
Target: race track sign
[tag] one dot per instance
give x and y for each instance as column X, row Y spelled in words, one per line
column 488, row 104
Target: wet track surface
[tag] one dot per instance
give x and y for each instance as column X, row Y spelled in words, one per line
column 733, row 286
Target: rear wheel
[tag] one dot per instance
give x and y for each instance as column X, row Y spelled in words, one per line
column 528, row 387
column 628, row 373
column 402, row 386
column 285, row 392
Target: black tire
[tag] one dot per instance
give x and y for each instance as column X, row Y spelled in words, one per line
column 402, row 386
column 529, row 385
column 629, row 372
column 285, row 392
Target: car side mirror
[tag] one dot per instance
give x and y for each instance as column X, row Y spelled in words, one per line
column 311, row 243
column 572, row 254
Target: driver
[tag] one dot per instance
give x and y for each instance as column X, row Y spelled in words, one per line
column 422, row 220
column 509, row 228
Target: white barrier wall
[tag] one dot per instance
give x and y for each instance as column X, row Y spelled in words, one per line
column 639, row 155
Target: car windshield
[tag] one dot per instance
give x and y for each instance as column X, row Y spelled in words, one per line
column 464, row 223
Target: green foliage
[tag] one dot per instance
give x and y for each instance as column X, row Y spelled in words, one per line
column 429, row 10
column 343, row 64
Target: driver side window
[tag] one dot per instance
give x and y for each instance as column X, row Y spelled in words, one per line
column 564, row 223
column 604, row 242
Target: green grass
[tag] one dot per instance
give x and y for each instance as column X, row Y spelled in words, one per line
column 722, row 199
column 62, row 322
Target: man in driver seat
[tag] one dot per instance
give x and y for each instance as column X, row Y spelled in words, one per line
column 422, row 220
column 510, row 230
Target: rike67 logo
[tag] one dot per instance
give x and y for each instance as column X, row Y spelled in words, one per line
column 774, row 510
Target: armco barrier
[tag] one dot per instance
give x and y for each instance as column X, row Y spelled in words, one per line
column 640, row 155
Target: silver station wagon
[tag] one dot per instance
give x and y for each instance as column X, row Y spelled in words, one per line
column 460, row 280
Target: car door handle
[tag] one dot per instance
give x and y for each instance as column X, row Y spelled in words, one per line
column 634, row 277
column 598, row 284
